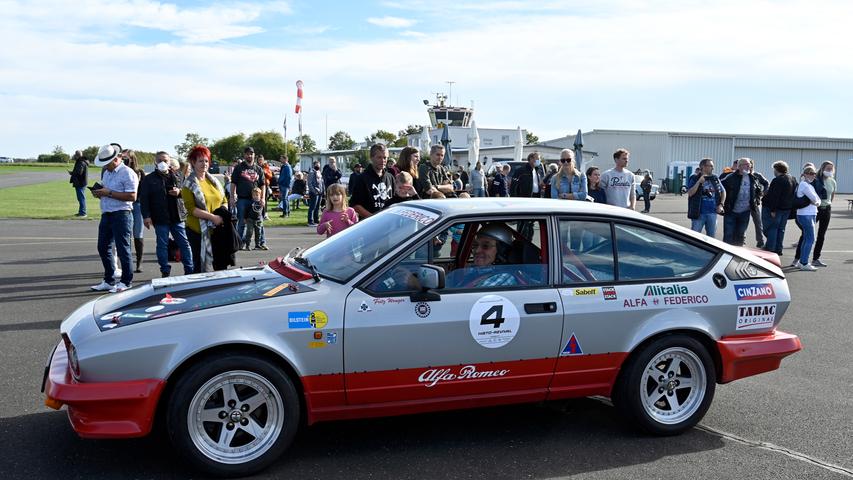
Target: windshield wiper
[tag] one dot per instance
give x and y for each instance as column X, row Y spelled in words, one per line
column 304, row 261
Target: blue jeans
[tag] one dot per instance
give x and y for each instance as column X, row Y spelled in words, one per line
column 115, row 227
column 179, row 233
column 774, row 229
column 81, row 199
column 243, row 206
column 807, row 224
column 706, row 220
column 478, row 192
column 256, row 226
column 734, row 227
column 137, row 220
column 285, row 205
column 313, row 208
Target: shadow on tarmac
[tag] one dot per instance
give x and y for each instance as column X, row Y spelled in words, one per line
column 530, row 441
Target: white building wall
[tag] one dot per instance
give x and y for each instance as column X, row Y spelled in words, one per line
column 649, row 150
column 844, row 171
column 694, row 148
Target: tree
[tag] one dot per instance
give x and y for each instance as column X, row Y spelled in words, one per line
column 402, row 135
column 361, row 156
column 227, row 149
column 308, row 143
column 58, row 155
column 381, row 136
column 190, row 140
column 270, row 144
column 341, row 141
column 531, row 138
column 91, row 152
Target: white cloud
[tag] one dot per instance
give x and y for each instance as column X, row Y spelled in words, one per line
column 89, row 20
column 412, row 33
column 391, row 22
column 643, row 67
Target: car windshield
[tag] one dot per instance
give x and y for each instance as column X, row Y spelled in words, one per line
column 343, row 255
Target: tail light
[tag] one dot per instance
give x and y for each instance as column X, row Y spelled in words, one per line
column 72, row 355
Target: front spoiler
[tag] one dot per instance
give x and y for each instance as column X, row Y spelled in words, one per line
column 102, row 410
column 747, row 355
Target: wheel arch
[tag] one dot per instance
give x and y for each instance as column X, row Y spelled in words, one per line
column 231, row 348
column 701, row 336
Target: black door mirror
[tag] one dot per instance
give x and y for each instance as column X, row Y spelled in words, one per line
column 431, row 278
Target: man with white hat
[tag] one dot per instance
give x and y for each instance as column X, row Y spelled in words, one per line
column 117, row 194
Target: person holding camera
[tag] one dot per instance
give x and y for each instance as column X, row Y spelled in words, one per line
column 705, row 198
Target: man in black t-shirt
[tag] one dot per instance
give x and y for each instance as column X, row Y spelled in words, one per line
column 245, row 177
column 373, row 188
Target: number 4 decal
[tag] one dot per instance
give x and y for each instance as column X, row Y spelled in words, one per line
column 498, row 311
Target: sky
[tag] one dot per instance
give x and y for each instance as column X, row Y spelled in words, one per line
column 144, row 73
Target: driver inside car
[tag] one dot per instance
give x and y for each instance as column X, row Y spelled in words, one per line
column 491, row 250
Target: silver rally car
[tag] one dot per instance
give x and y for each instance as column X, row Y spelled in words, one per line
column 430, row 305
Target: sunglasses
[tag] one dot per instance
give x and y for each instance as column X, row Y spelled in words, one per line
column 565, row 160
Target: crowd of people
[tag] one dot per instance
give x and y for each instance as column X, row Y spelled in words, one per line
column 741, row 195
column 191, row 212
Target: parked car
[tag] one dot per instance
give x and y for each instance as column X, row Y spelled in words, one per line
column 382, row 319
column 655, row 188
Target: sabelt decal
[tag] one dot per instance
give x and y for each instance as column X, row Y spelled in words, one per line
column 755, row 291
column 609, row 293
column 434, row 376
column 585, row 292
column 751, row 317
column 494, row 321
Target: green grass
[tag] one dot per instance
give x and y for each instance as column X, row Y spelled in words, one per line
column 34, row 167
column 57, row 201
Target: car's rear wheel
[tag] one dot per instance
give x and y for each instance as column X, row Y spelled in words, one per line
column 667, row 387
column 233, row 415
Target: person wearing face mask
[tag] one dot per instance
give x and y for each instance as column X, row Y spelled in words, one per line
column 740, row 197
column 530, row 179
column 162, row 209
column 806, row 219
column 825, row 186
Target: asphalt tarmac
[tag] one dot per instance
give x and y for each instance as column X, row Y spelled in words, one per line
column 793, row 423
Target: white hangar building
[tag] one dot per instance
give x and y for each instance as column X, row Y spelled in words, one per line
column 654, row 151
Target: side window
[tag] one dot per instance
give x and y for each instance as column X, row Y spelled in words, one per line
column 503, row 255
column 647, row 254
column 586, row 250
column 403, row 276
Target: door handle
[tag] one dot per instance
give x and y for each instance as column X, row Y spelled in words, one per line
column 533, row 308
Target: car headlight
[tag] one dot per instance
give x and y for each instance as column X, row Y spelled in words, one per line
column 740, row 269
column 72, row 355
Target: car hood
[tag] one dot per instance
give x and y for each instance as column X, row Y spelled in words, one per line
column 190, row 293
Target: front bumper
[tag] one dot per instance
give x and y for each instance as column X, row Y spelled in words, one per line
column 101, row 410
column 744, row 356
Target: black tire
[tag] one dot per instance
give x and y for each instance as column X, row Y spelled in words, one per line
column 267, row 420
column 677, row 403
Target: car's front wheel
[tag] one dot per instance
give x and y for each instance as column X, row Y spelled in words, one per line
column 233, row 415
column 667, row 387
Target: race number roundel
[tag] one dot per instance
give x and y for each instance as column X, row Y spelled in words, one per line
column 494, row 321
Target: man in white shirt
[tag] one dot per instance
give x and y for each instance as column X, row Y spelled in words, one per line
column 618, row 182
column 117, row 194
